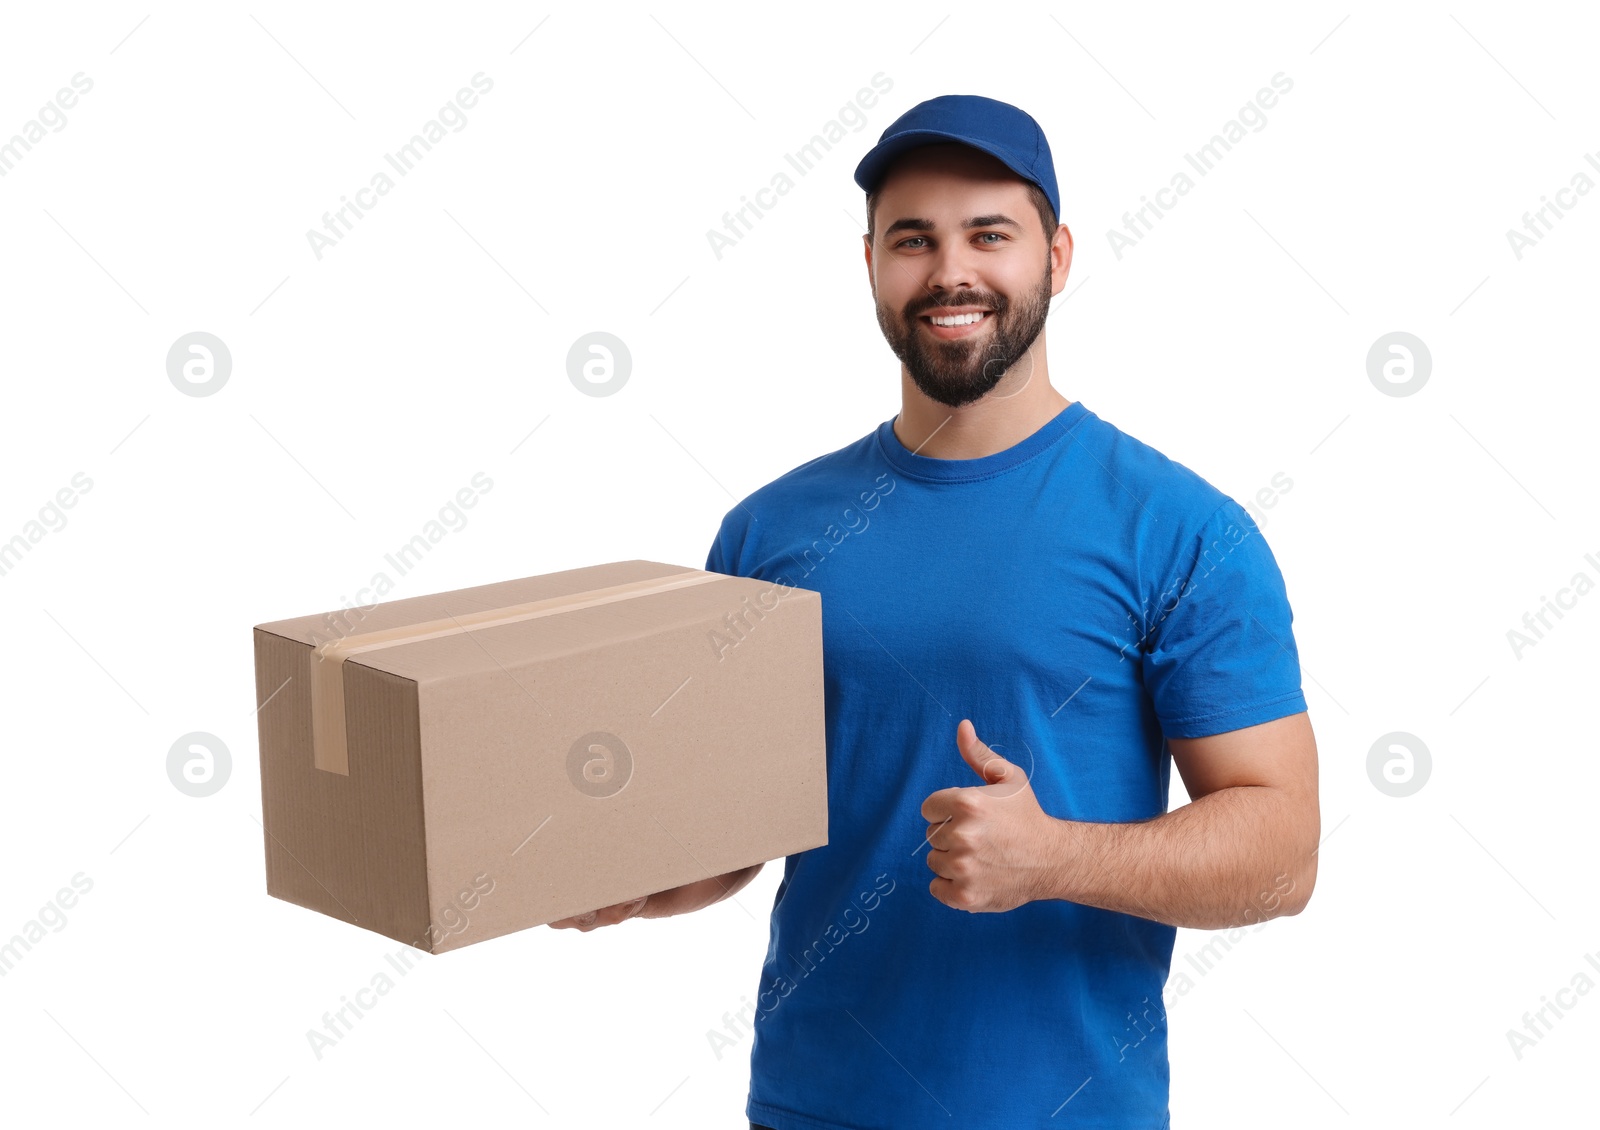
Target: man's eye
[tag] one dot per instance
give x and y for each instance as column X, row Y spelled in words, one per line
column 996, row 234
column 903, row 242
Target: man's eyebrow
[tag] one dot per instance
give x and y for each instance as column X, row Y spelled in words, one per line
column 916, row 223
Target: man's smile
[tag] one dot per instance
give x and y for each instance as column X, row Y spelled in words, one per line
column 964, row 324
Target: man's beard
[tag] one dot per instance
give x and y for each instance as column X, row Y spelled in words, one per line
column 962, row 370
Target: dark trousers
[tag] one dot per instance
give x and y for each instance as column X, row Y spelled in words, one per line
column 753, row 1126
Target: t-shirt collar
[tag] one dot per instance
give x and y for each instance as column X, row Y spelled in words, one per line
column 985, row 466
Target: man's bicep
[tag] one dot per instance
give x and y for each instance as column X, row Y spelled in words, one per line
column 1278, row 754
column 1278, row 757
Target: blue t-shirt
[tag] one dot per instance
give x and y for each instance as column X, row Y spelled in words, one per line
column 1078, row 596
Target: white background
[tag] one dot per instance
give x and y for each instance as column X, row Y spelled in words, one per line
column 367, row 387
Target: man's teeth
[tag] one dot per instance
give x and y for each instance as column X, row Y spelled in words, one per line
column 958, row 319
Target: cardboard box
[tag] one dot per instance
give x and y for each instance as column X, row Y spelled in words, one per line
column 450, row 768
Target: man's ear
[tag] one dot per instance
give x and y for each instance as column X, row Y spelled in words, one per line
column 1060, row 259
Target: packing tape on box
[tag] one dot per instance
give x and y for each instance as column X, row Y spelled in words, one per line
column 329, row 749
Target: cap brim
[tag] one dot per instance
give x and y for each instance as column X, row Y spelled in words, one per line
column 870, row 171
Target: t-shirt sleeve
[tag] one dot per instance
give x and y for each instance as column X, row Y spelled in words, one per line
column 714, row 561
column 723, row 556
column 1222, row 654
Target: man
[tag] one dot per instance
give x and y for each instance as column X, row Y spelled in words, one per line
column 1025, row 611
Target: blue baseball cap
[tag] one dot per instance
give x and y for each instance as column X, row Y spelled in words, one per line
column 997, row 128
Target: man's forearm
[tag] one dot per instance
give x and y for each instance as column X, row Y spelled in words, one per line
column 698, row 895
column 1234, row 857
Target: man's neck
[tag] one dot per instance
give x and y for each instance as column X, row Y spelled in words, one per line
column 996, row 422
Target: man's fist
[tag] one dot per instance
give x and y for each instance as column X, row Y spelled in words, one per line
column 993, row 846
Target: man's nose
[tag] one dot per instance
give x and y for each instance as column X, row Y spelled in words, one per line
column 950, row 269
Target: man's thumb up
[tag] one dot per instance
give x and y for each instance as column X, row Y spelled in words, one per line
column 999, row 776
